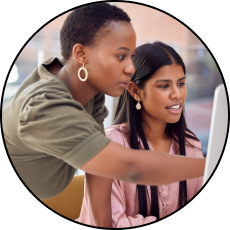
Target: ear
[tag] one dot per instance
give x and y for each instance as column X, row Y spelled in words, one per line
column 134, row 91
column 79, row 53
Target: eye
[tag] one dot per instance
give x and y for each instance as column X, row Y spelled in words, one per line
column 163, row 86
column 181, row 84
column 121, row 57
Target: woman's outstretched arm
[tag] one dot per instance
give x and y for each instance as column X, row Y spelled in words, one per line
column 142, row 166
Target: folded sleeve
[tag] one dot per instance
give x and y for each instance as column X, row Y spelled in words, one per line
column 100, row 112
column 56, row 125
column 119, row 217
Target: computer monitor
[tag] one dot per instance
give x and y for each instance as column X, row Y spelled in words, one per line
column 218, row 131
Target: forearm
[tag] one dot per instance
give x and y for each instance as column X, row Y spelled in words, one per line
column 99, row 190
column 165, row 168
column 142, row 166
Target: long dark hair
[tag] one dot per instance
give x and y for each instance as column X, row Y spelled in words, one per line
column 147, row 60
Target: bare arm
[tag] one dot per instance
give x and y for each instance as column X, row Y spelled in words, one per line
column 143, row 167
column 99, row 190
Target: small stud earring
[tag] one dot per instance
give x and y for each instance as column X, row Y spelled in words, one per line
column 138, row 105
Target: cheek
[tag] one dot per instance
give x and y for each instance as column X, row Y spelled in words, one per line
column 184, row 93
column 108, row 71
column 97, row 65
column 154, row 101
column 102, row 74
column 157, row 98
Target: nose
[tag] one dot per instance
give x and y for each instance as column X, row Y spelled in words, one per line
column 130, row 69
column 175, row 93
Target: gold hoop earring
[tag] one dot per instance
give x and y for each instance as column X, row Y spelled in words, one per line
column 86, row 73
column 138, row 105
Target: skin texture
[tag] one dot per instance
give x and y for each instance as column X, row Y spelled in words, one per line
column 143, row 167
column 165, row 88
column 109, row 63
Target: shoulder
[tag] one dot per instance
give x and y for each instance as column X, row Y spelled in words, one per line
column 118, row 133
column 193, row 147
column 42, row 83
column 39, row 91
column 50, row 102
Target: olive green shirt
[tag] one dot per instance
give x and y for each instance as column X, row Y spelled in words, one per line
column 49, row 135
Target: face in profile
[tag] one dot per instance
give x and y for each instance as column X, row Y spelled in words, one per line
column 109, row 61
column 164, row 94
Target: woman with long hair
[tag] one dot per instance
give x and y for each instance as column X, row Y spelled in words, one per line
column 150, row 116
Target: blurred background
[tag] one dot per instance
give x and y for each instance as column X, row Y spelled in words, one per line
column 150, row 25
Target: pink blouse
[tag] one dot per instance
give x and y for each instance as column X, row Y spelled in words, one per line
column 124, row 200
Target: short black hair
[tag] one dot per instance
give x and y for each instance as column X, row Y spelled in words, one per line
column 84, row 22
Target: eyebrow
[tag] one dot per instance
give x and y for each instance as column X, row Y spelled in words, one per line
column 167, row 80
column 123, row 48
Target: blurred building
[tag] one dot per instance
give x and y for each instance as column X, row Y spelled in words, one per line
column 150, row 25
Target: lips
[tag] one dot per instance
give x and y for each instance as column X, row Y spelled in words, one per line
column 175, row 106
column 124, row 84
column 175, row 109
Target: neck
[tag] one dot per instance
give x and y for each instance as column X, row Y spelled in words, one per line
column 154, row 131
column 81, row 91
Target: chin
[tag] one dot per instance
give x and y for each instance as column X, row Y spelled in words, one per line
column 114, row 93
column 172, row 121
